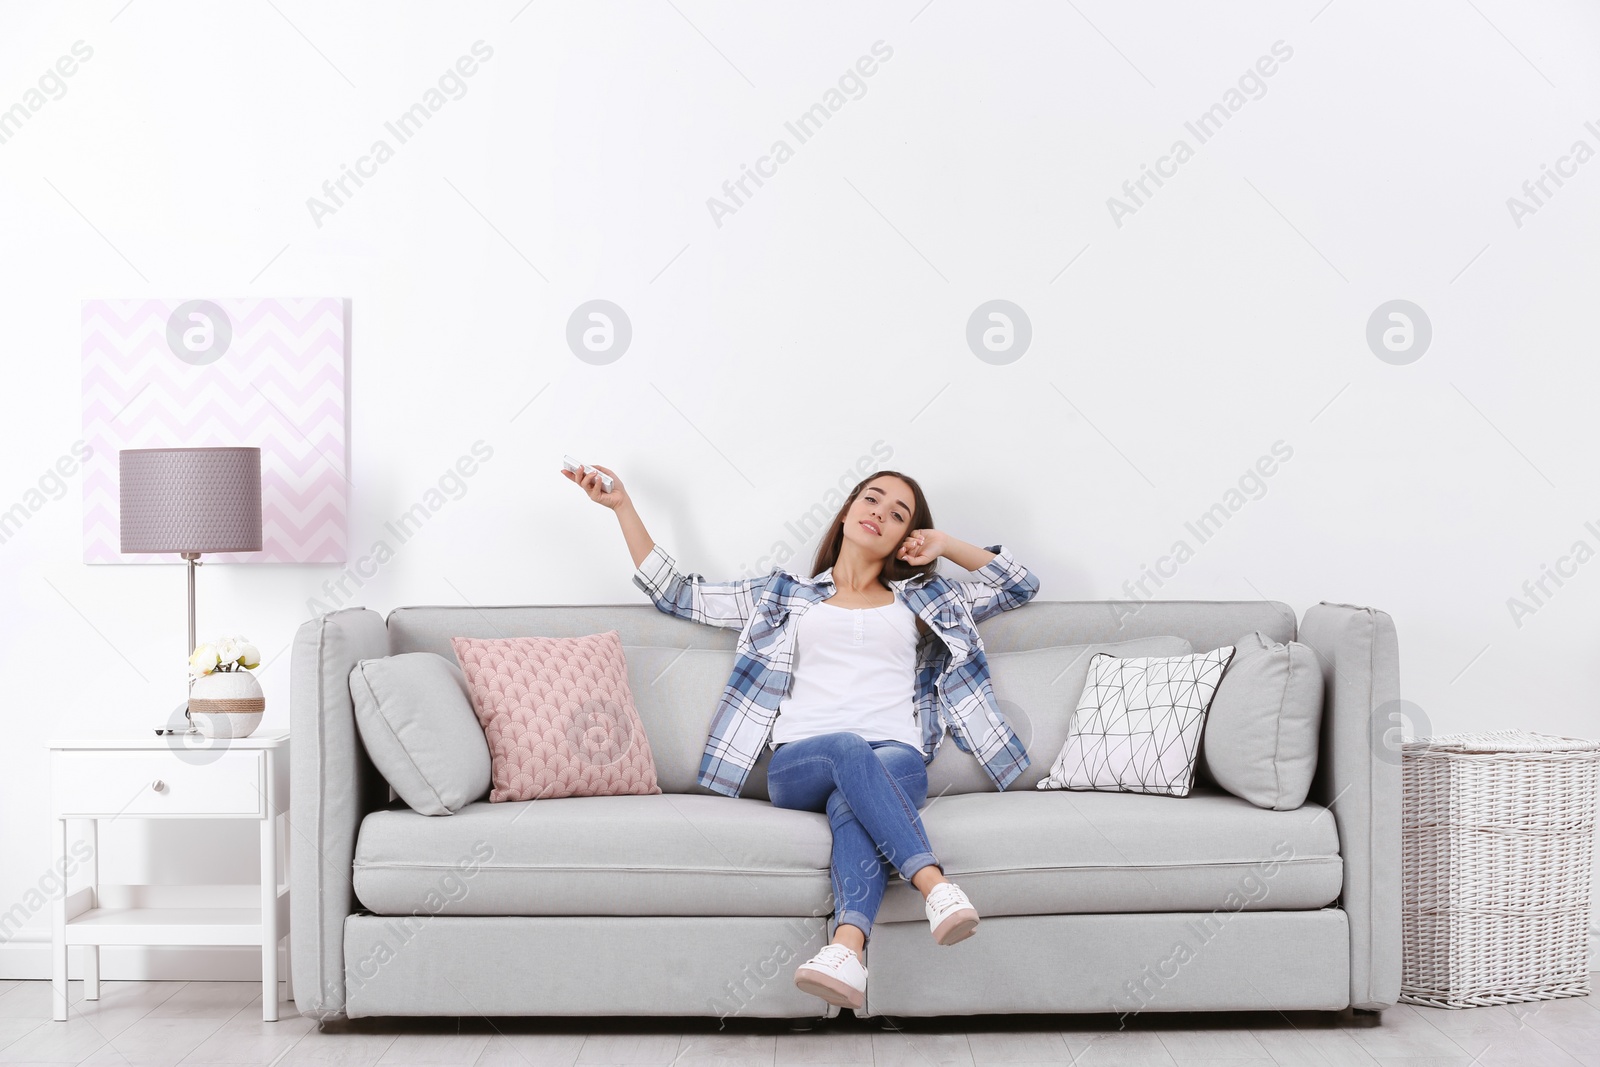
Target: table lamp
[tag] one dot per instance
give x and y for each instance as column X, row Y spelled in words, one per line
column 189, row 501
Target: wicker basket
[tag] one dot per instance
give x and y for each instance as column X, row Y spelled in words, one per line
column 1497, row 850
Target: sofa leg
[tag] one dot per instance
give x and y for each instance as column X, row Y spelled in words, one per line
column 802, row 1025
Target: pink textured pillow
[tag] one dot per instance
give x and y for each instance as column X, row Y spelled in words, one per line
column 558, row 715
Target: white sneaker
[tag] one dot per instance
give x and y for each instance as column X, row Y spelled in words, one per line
column 836, row 975
column 951, row 915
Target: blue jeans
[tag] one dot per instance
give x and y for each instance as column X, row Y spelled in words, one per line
column 871, row 791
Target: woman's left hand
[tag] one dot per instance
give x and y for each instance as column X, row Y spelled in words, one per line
column 921, row 546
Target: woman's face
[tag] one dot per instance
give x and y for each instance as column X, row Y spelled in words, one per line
column 885, row 503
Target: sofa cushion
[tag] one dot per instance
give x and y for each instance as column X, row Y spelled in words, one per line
column 1037, row 691
column 558, row 716
column 666, row 854
column 417, row 725
column 1138, row 724
column 676, row 690
column 1045, row 852
column 1262, row 734
column 1014, row 853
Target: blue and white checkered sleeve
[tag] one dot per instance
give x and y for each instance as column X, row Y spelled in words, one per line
column 690, row 596
column 1002, row 584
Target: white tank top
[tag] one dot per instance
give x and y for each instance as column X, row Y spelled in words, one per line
column 854, row 669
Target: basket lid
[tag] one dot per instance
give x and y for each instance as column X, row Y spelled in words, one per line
column 1498, row 741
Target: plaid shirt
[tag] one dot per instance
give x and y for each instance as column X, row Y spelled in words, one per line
column 952, row 674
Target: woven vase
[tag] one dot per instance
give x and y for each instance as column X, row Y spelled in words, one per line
column 226, row 703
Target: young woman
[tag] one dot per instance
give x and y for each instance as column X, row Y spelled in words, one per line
column 865, row 662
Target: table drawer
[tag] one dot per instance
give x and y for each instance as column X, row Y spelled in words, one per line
column 157, row 783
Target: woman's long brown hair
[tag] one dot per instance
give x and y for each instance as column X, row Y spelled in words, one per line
column 894, row 568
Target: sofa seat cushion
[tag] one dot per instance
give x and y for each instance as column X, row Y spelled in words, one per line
column 1014, row 853
column 1070, row 851
column 661, row 854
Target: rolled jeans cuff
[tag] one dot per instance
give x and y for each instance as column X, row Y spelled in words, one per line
column 851, row 918
column 916, row 863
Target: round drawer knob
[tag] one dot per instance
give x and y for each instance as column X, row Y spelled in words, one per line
column 158, row 785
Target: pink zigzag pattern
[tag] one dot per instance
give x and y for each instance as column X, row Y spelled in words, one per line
column 281, row 386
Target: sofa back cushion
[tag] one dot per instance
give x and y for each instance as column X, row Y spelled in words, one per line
column 1037, row 691
column 676, row 691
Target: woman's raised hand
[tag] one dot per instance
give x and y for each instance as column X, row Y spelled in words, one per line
column 922, row 546
column 590, row 483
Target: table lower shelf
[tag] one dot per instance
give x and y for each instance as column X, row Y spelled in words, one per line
column 173, row 926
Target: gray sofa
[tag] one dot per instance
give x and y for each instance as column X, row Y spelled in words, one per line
column 692, row 903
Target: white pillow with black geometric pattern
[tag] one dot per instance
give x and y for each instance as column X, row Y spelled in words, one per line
column 1138, row 725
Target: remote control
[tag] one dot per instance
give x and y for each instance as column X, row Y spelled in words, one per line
column 573, row 465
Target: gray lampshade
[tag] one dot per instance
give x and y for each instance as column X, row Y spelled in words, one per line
column 190, row 499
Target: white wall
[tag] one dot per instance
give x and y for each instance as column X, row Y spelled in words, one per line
column 1172, row 347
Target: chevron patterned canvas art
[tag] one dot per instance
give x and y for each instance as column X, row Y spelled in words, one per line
column 1138, row 724
column 269, row 373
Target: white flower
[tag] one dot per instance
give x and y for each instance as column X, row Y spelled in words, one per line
column 248, row 655
column 203, row 661
column 227, row 652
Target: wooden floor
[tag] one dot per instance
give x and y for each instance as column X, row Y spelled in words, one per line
column 220, row 1022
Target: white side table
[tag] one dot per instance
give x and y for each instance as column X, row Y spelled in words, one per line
column 159, row 778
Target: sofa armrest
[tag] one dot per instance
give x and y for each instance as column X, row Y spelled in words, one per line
column 1358, row 778
column 333, row 785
